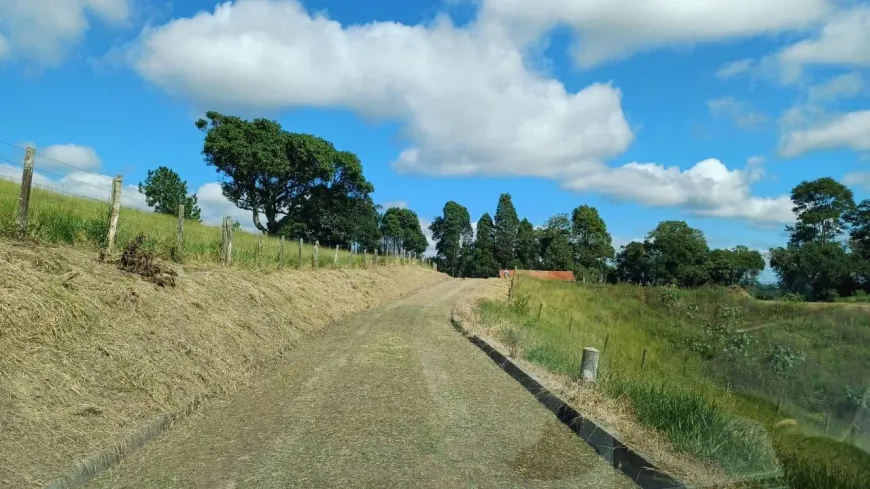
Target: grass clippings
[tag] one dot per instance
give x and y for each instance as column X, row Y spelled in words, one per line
column 89, row 353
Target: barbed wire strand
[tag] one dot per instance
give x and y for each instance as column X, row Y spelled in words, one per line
column 37, row 153
column 105, row 189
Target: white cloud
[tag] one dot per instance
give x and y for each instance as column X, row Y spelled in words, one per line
column 401, row 204
column 843, row 40
column 67, row 156
column 841, row 86
column 735, row 68
column 742, row 115
column 613, row 29
column 844, row 131
column 500, row 117
column 489, row 120
column 859, row 179
column 215, row 207
column 424, row 225
column 44, row 30
column 708, row 188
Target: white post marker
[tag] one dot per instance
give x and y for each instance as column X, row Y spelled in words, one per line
column 589, row 364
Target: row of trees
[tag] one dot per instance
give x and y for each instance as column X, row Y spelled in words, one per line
column 828, row 252
column 672, row 253
column 295, row 185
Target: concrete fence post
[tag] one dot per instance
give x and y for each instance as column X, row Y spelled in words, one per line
column 589, row 364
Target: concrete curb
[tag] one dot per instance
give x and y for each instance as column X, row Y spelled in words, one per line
column 91, row 467
column 631, row 463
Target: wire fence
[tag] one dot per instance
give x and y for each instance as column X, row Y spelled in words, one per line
column 78, row 207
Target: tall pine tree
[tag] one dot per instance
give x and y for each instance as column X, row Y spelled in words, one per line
column 527, row 246
column 506, row 227
column 453, row 234
column 482, row 263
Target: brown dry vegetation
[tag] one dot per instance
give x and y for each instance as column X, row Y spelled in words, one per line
column 612, row 414
column 89, row 353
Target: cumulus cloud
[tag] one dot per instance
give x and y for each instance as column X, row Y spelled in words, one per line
column 858, row 179
column 615, row 29
column 67, row 156
column 708, row 188
column 44, row 30
column 742, row 114
column 468, row 100
column 215, row 207
column 843, row 40
column 848, row 130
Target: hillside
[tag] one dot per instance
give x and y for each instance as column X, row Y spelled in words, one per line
column 88, row 353
column 680, row 361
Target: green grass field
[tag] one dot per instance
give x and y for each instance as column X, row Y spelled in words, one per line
column 62, row 219
column 712, row 389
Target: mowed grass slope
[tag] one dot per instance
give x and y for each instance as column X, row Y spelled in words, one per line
column 712, row 390
column 88, row 353
column 64, row 219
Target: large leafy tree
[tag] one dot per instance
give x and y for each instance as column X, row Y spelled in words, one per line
column 482, row 263
column 592, row 243
column 633, row 264
column 815, row 263
column 527, row 245
column 554, row 239
column 820, row 206
column 737, row 266
column 453, row 236
column 506, row 228
column 401, row 231
column 678, row 254
column 295, row 184
column 164, row 190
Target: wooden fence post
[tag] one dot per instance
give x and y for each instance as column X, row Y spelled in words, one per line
column 314, row 256
column 643, row 360
column 607, row 340
column 589, row 364
column 227, row 241
column 540, row 308
column 299, row 261
column 114, row 213
column 179, row 236
column 375, row 258
column 281, row 253
column 26, row 184
column 571, row 324
column 335, row 258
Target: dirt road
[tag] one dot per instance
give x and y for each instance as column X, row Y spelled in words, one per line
column 392, row 398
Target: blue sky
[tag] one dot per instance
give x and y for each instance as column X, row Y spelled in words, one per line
column 704, row 111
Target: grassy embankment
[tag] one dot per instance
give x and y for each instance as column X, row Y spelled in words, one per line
column 89, row 353
column 61, row 219
column 712, row 390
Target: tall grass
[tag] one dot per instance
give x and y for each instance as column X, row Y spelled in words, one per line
column 62, row 219
column 709, row 388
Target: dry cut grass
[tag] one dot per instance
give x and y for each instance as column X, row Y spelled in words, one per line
column 88, row 353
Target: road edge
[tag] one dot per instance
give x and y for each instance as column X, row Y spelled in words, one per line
column 631, row 463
